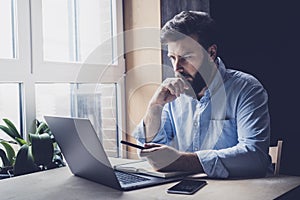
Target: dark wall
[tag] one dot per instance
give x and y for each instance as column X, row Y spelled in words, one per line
column 263, row 38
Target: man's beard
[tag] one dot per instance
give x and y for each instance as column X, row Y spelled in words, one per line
column 201, row 78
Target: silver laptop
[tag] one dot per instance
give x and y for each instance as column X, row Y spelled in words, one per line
column 86, row 157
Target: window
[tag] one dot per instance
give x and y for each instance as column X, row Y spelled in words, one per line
column 65, row 54
column 10, row 107
column 96, row 102
column 7, row 24
column 76, row 29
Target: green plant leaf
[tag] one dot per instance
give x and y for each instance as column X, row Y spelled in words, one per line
column 10, row 152
column 7, row 131
column 47, row 130
column 41, row 128
column 42, row 148
column 24, row 161
column 37, row 123
column 11, row 133
column 4, row 158
column 12, row 127
column 21, row 141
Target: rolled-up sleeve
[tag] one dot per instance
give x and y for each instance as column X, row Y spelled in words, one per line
column 139, row 133
column 164, row 134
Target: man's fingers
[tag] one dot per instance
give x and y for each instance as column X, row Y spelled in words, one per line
column 184, row 82
column 176, row 86
column 179, row 87
column 171, row 89
column 149, row 145
column 160, row 156
column 150, row 148
column 147, row 152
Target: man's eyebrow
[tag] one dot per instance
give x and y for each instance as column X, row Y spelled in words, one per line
column 185, row 54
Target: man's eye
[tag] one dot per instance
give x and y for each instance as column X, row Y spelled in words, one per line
column 184, row 59
column 171, row 59
column 187, row 57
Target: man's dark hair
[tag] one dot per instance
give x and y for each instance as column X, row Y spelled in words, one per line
column 189, row 23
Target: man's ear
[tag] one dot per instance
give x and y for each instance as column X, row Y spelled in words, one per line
column 212, row 51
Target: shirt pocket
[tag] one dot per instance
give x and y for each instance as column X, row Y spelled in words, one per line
column 228, row 137
column 221, row 134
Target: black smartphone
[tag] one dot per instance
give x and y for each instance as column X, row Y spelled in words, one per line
column 187, row 186
column 132, row 145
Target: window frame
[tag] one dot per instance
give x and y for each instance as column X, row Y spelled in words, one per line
column 29, row 68
column 67, row 72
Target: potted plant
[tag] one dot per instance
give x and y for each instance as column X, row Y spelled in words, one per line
column 39, row 152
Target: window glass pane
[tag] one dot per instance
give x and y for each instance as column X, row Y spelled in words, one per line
column 9, row 107
column 94, row 28
column 7, row 24
column 73, row 29
column 57, row 30
column 94, row 101
column 109, row 115
column 53, row 99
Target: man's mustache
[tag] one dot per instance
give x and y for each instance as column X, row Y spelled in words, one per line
column 183, row 75
column 195, row 84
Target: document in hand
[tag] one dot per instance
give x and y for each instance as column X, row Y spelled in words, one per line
column 143, row 167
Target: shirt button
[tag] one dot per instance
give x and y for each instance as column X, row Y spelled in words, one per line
column 195, row 149
column 195, row 123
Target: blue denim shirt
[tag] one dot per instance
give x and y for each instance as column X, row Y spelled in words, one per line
column 228, row 128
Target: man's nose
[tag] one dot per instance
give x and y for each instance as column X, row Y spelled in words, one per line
column 177, row 66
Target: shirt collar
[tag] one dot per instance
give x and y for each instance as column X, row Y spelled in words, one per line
column 218, row 79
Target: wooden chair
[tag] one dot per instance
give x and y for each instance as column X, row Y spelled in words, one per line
column 275, row 153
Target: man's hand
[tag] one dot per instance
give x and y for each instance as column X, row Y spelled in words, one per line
column 168, row 91
column 165, row 159
column 160, row 156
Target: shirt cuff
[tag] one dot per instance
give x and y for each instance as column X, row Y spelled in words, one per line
column 139, row 133
column 212, row 164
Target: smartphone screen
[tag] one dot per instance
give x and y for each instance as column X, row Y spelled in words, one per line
column 187, row 187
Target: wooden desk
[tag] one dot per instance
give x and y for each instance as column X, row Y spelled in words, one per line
column 61, row 184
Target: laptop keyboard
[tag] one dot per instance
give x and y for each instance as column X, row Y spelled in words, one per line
column 125, row 178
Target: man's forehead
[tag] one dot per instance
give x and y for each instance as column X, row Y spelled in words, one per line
column 183, row 46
